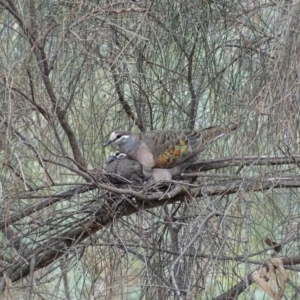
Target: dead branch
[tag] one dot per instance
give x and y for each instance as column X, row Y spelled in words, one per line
column 214, row 164
column 265, row 277
column 53, row 249
column 245, row 283
column 14, row 217
column 35, row 40
column 176, row 194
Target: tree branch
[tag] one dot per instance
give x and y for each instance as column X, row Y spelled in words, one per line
column 36, row 40
column 44, row 203
column 246, row 282
column 214, row 164
column 56, row 247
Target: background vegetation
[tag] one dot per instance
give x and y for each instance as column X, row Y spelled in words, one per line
column 73, row 71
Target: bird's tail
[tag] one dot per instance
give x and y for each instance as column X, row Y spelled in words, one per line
column 213, row 133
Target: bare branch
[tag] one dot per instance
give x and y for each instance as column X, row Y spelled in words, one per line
column 214, row 164
column 245, row 283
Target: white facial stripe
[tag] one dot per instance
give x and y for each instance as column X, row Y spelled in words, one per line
column 122, row 139
column 113, row 136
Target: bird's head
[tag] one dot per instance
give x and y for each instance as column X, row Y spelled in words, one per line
column 117, row 137
column 120, row 155
column 114, row 156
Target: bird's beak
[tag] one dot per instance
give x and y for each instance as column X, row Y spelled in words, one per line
column 110, row 159
column 107, row 143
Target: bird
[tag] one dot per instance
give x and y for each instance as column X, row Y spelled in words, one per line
column 163, row 153
column 118, row 163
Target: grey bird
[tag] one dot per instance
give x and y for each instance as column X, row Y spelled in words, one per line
column 118, row 163
column 164, row 153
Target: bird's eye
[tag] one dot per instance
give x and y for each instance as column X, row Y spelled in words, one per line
column 118, row 135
